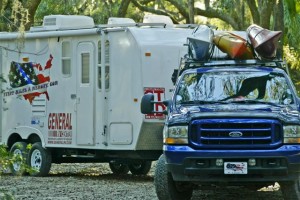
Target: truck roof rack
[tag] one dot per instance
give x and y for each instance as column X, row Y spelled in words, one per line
column 187, row 63
column 251, row 62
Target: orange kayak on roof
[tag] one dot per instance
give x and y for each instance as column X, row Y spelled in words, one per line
column 235, row 46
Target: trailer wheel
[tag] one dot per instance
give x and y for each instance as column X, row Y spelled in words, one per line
column 168, row 189
column 118, row 168
column 20, row 149
column 39, row 159
column 140, row 167
column 291, row 190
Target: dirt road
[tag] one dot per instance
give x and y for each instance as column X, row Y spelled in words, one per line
column 95, row 181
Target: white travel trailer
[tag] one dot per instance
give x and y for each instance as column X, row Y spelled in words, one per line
column 73, row 91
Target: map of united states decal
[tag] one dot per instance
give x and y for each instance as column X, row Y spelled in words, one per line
column 30, row 79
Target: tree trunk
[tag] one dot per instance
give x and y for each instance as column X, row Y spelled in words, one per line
column 191, row 13
column 279, row 25
column 123, row 8
column 266, row 9
column 32, row 6
column 254, row 11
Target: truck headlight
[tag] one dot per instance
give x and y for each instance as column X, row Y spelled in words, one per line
column 291, row 134
column 176, row 135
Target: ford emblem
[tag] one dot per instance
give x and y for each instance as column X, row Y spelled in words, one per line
column 235, row 134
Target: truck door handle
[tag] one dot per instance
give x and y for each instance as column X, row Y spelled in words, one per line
column 73, row 96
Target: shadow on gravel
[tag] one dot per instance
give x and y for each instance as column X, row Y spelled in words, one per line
column 236, row 193
column 125, row 177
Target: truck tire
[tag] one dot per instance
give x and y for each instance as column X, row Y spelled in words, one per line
column 39, row 159
column 166, row 188
column 291, row 190
column 18, row 167
column 118, row 168
column 140, row 167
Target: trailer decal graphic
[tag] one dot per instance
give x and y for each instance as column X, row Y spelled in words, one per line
column 29, row 79
column 159, row 95
column 60, row 128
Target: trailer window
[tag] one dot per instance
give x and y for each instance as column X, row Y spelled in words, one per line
column 106, row 65
column 66, row 58
column 85, row 68
column 99, row 65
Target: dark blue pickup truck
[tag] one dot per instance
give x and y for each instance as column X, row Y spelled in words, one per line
column 229, row 123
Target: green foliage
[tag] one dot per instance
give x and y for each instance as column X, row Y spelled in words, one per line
column 292, row 57
column 7, row 160
column 99, row 10
column 292, row 24
column 6, row 195
column 19, row 15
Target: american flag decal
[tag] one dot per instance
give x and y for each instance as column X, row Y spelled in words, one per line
column 30, row 74
column 22, row 74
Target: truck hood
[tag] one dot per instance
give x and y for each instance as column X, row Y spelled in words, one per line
column 287, row 114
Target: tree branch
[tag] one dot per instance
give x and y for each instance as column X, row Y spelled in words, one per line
column 151, row 10
column 254, row 11
column 181, row 7
column 211, row 13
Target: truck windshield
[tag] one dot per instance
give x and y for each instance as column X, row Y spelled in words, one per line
column 233, row 86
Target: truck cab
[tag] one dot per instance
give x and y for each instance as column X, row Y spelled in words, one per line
column 229, row 122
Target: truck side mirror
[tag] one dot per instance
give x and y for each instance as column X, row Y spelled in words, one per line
column 174, row 76
column 147, row 104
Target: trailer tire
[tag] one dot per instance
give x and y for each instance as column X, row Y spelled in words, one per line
column 291, row 190
column 119, row 168
column 166, row 188
column 19, row 148
column 140, row 167
column 39, row 159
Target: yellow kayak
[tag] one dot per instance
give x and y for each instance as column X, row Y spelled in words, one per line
column 235, row 46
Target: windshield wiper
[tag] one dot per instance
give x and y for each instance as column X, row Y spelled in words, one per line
column 248, row 101
column 196, row 102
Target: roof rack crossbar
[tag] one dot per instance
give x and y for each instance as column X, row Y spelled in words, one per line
column 192, row 64
column 273, row 63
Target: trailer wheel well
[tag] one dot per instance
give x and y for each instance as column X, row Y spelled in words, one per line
column 33, row 138
column 15, row 137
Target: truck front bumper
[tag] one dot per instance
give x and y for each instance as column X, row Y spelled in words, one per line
column 276, row 165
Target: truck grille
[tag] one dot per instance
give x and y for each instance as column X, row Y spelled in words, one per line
column 235, row 133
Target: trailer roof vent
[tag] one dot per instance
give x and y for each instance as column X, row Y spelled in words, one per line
column 158, row 19
column 120, row 20
column 61, row 22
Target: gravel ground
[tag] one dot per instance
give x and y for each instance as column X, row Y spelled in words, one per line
column 96, row 181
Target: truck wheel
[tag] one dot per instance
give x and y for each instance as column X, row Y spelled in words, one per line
column 39, row 159
column 18, row 167
column 119, row 168
column 140, row 167
column 290, row 190
column 166, row 188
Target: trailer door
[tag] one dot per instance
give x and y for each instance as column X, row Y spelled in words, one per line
column 85, row 93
